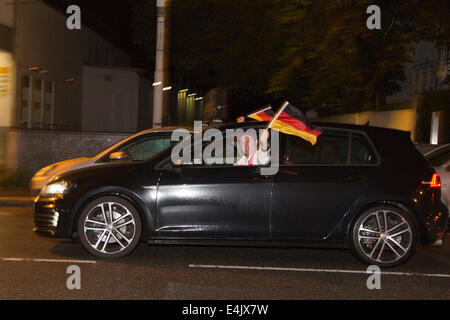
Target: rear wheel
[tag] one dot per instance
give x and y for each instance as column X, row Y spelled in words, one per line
column 384, row 236
column 110, row 227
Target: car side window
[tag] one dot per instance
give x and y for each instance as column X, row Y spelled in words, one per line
column 146, row 148
column 224, row 152
column 331, row 149
column 361, row 153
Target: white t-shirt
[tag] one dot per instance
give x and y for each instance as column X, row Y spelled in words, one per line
column 258, row 158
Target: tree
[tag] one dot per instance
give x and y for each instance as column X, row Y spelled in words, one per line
column 313, row 53
column 342, row 61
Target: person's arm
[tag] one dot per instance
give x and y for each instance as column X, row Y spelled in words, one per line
column 264, row 149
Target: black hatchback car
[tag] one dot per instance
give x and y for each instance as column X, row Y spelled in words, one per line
column 360, row 187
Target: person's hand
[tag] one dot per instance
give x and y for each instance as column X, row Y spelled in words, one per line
column 264, row 140
column 240, row 119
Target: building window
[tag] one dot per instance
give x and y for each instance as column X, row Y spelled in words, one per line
column 26, row 100
column 423, row 85
column 48, row 112
column 431, row 77
column 416, row 81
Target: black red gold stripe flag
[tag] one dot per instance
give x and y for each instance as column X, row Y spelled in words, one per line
column 265, row 114
column 290, row 120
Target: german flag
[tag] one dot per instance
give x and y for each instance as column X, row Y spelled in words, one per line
column 290, row 120
column 265, row 114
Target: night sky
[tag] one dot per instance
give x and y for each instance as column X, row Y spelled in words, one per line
column 110, row 18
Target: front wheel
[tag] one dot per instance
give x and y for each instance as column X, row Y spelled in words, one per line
column 385, row 236
column 109, row 227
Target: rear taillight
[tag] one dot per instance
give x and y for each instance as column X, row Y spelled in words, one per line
column 435, row 181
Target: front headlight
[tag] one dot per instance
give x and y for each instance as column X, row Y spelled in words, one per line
column 55, row 189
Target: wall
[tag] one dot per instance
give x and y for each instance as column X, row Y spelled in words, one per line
column 5, row 38
column 110, row 100
column 7, row 87
column 44, row 41
column 404, row 119
column 6, row 13
column 31, row 150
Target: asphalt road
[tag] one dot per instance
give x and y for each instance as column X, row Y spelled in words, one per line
column 35, row 268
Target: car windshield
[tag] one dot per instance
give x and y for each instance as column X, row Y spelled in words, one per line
column 139, row 146
column 114, row 146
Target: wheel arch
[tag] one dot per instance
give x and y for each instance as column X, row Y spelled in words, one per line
column 402, row 205
column 134, row 199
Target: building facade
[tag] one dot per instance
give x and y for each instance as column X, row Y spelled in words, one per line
column 50, row 59
column 56, row 79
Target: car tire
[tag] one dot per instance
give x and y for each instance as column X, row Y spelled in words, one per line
column 110, row 227
column 375, row 244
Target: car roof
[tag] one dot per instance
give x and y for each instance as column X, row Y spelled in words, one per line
column 164, row 129
column 318, row 125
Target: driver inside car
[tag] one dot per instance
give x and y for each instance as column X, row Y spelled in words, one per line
column 253, row 154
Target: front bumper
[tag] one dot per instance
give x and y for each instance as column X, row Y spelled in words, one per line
column 52, row 219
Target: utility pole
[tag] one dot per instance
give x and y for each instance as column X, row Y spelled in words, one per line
column 159, row 67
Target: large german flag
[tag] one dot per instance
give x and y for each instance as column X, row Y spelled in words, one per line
column 290, row 120
column 265, row 114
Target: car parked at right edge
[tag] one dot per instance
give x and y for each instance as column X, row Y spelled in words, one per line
column 440, row 161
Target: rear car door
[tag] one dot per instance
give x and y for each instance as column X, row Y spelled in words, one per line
column 316, row 185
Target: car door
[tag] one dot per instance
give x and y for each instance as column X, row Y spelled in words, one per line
column 316, row 185
column 213, row 202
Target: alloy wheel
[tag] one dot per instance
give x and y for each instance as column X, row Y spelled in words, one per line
column 385, row 236
column 109, row 228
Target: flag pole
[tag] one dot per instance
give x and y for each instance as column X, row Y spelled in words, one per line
column 283, row 107
column 259, row 111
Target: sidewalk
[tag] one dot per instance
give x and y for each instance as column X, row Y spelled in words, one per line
column 15, row 198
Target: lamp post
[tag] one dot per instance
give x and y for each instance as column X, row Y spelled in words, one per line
column 159, row 67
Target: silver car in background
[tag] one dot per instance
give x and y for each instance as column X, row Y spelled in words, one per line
column 440, row 160
column 137, row 147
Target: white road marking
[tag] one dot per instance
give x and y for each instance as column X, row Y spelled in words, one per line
column 46, row 260
column 317, row 270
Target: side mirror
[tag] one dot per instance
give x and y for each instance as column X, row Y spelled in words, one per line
column 118, row 156
column 174, row 167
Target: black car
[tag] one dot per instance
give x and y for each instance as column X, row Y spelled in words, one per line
column 360, row 187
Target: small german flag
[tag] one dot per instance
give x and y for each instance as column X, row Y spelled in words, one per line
column 265, row 114
column 290, row 120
